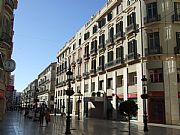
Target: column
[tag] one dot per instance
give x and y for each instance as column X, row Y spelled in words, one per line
column 114, row 98
column 105, row 98
column 171, row 92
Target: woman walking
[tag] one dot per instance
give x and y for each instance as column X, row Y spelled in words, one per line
column 41, row 117
column 47, row 116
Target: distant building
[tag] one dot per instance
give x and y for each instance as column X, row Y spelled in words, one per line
column 46, row 85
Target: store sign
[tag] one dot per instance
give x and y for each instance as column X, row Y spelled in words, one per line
column 1, row 94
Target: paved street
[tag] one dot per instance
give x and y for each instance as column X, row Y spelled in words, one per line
column 15, row 124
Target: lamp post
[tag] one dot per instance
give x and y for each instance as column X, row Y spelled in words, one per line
column 144, row 96
column 55, row 106
column 69, row 93
column 79, row 100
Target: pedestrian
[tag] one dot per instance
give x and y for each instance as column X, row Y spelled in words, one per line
column 47, row 116
column 41, row 117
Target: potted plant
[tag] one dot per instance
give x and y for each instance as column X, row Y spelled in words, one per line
column 128, row 108
column 98, row 94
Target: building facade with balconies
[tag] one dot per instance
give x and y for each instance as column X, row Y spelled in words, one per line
column 109, row 55
column 6, row 45
column 46, row 85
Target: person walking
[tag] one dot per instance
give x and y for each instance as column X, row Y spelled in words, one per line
column 41, row 117
column 47, row 116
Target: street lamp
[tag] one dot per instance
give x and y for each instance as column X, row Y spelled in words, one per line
column 69, row 93
column 55, row 106
column 144, row 96
column 79, row 100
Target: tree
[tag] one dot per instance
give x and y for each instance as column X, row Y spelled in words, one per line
column 128, row 108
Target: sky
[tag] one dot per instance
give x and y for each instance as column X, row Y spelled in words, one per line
column 41, row 29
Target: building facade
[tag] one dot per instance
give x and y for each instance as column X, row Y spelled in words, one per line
column 6, row 45
column 109, row 55
column 46, row 85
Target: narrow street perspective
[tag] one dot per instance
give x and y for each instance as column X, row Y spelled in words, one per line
column 90, row 67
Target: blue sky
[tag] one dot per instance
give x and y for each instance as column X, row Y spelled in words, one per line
column 41, row 28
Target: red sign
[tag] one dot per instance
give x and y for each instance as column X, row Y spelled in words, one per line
column 132, row 95
column 156, row 93
column 1, row 94
column 120, row 96
column 10, row 88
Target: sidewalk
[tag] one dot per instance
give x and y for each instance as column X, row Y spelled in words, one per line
column 15, row 124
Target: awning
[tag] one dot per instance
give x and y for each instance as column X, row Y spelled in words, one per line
column 93, row 99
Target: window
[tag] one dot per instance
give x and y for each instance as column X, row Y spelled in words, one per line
column 101, row 85
column 132, row 47
column 79, row 41
column 85, row 87
column 109, row 16
column 153, row 40
column 102, row 39
column 101, row 60
column 74, row 46
column 109, row 83
column 93, row 64
column 87, row 50
column 110, row 56
column 86, row 67
column 132, row 78
column 102, row 22
column 119, row 81
column 86, row 35
column 119, row 28
column 156, row 75
column 79, row 69
column 131, row 19
column 119, row 52
column 93, row 86
column 178, row 39
column 94, row 29
column 152, row 10
column 119, row 8
column 94, row 45
column 111, row 34
column 177, row 8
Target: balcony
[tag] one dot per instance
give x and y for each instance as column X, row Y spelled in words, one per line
column 86, row 56
column 153, row 51
column 119, row 61
column 79, row 60
column 73, row 64
column 10, row 4
column 119, row 36
column 132, row 56
column 153, row 19
column 176, row 50
column 93, row 71
column 78, row 77
column 86, row 75
column 131, row 28
column 100, row 68
column 110, row 41
column 93, row 51
column 6, row 38
column 176, row 18
column 109, row 64
column 101, row 46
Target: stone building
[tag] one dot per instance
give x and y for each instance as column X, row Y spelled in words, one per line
column 6, row 46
